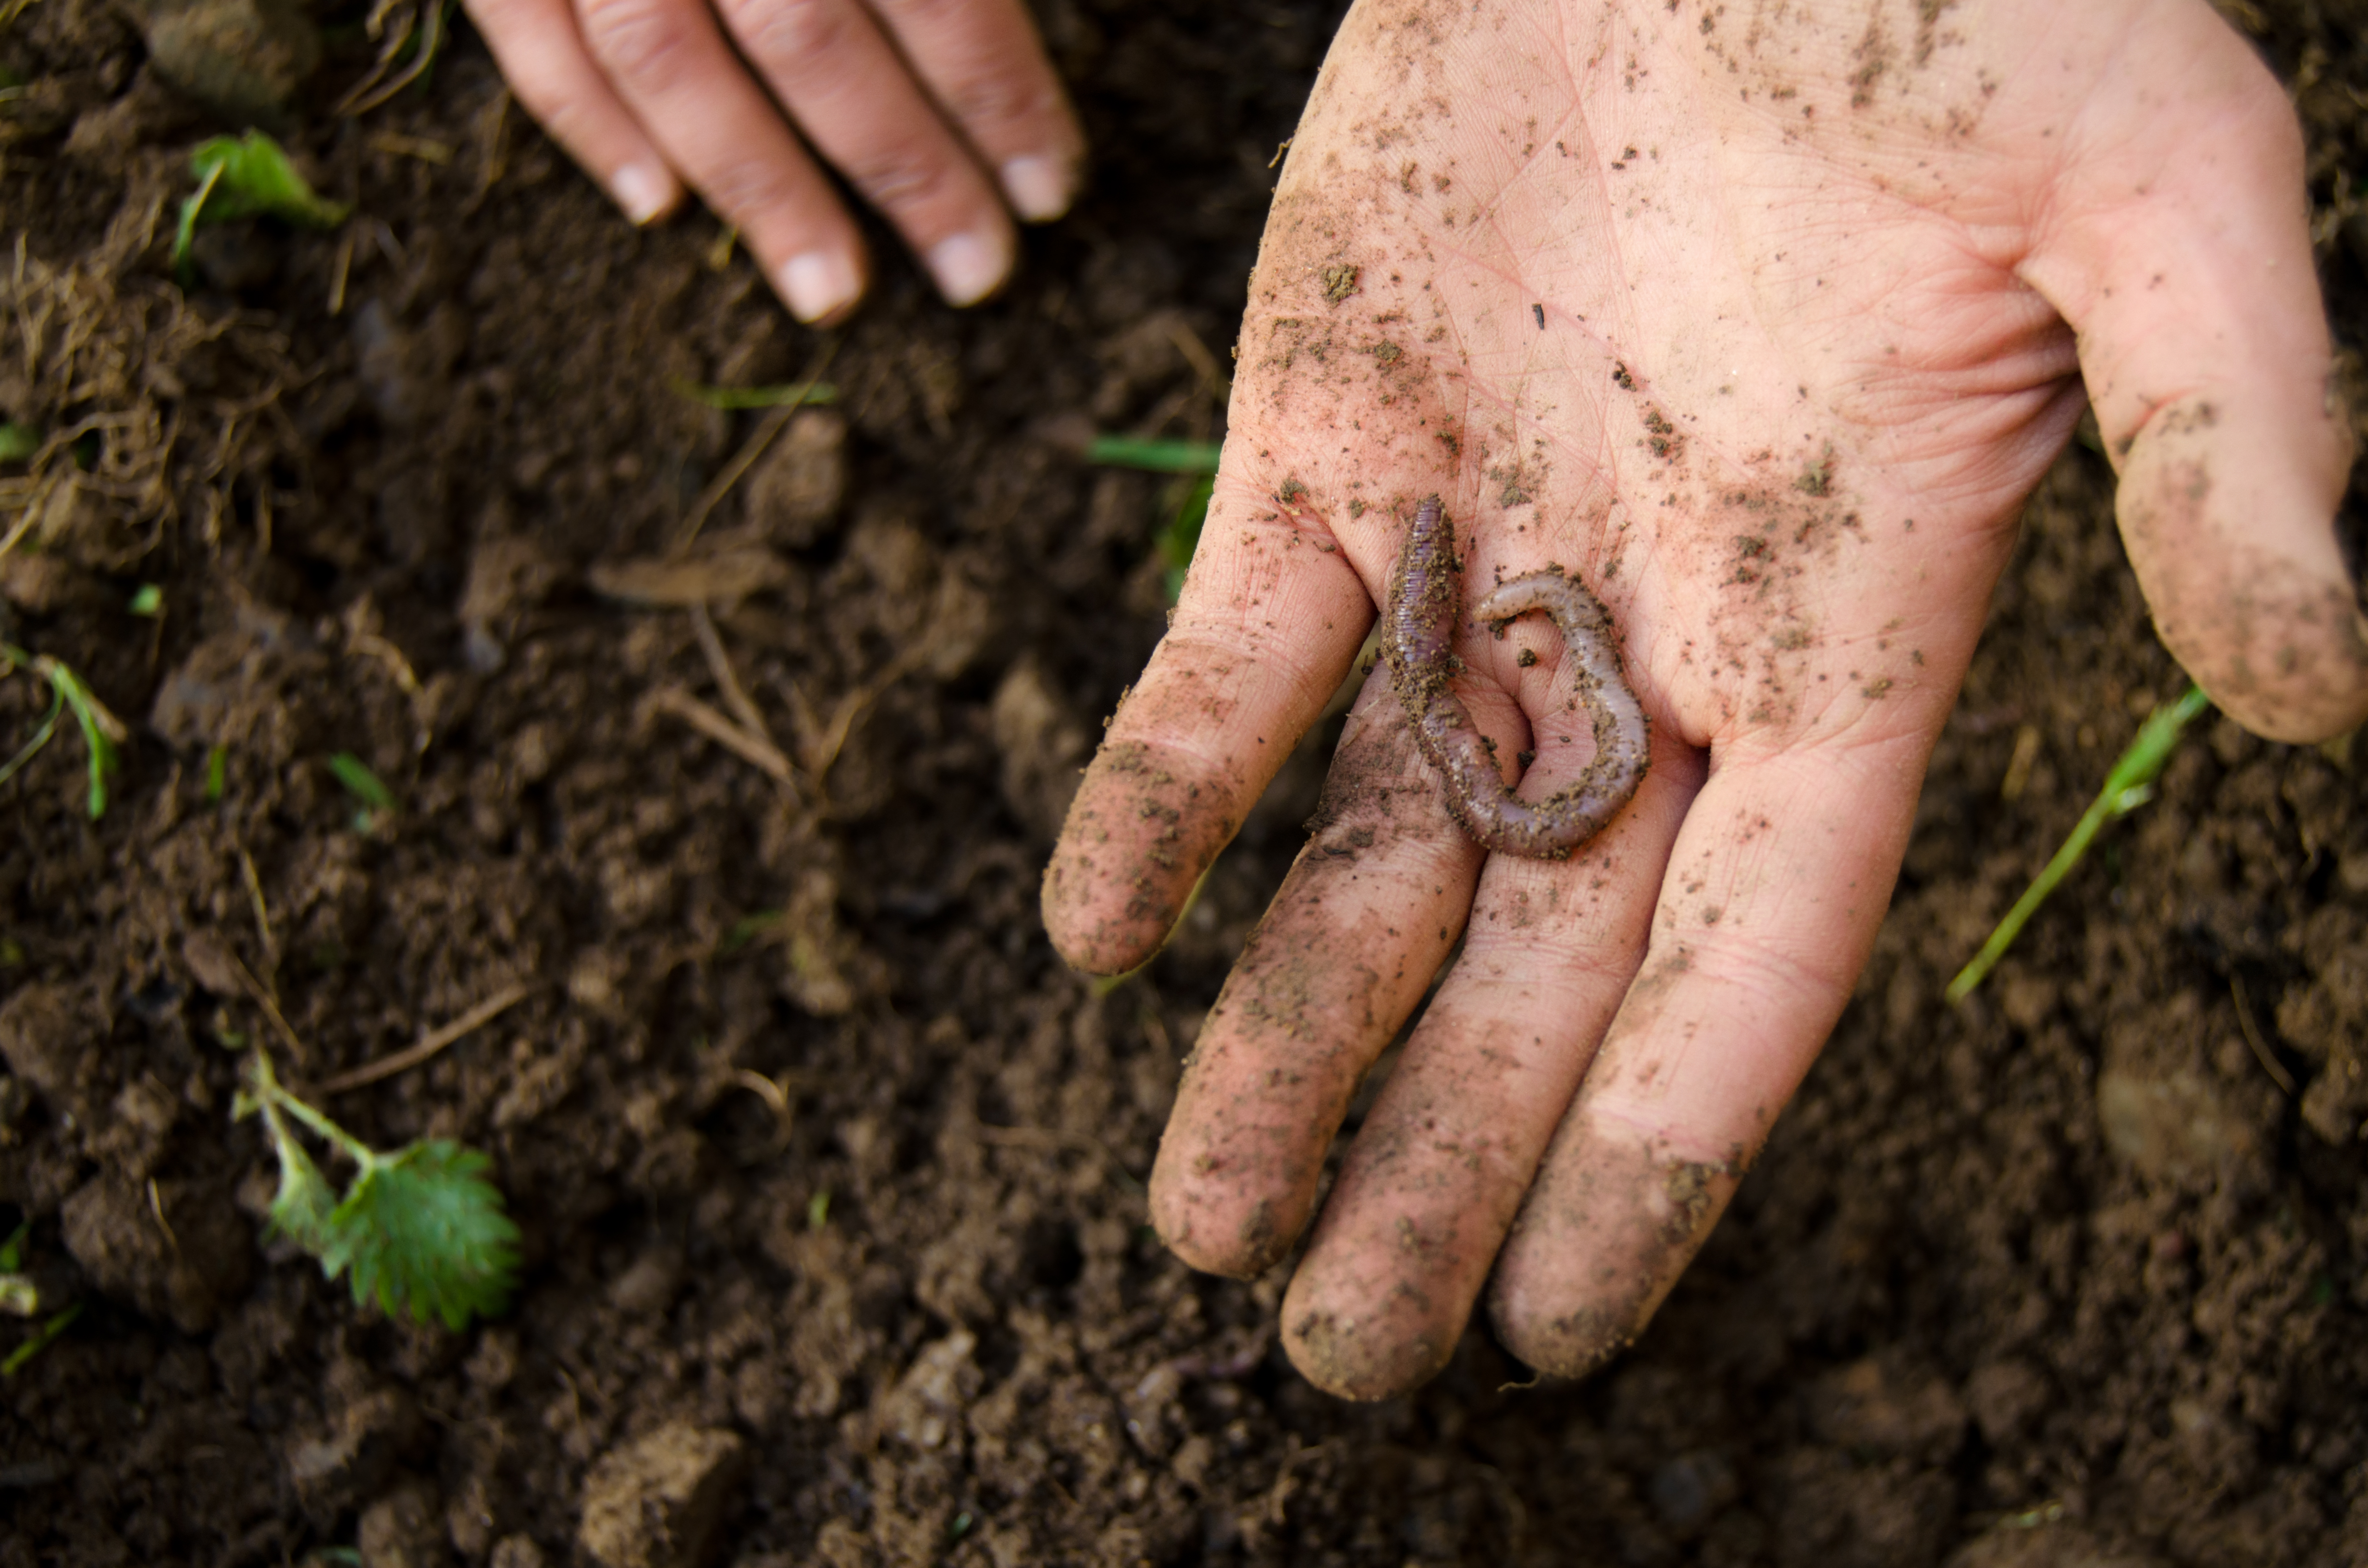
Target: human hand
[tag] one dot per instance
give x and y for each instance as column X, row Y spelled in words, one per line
column 940, row 113
column 1763, row 326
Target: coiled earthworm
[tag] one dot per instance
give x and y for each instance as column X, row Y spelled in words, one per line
column 1420, row 622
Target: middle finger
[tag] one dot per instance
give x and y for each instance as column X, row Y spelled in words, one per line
column 1430, row 1186
column 852, row 94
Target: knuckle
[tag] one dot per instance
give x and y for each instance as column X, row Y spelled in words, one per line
column 643, row 43
column 795, row 35
column 746, row 188
column 998, row 98
column 898, row 178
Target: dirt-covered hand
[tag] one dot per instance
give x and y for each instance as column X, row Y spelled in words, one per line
column 1761, row 320
column 943, row 114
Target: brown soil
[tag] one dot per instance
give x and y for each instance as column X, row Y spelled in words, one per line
column 2060, row 1277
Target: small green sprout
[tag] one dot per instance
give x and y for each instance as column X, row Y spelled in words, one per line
column 1187, row 501
column 146, row 601
column 1181, row 537
column 748, row 929
column 217, row 774
column 102, row 732
column 19, row 1296
column 19, row 443
column 41, row 1339
column 818, row 1209
column 248, row 176
column 377, row 799
column 420, row 1232
column 2129, row 786
column 1155, row 456
column 812, row 394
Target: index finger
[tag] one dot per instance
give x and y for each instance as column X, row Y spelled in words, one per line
column 1270, row 618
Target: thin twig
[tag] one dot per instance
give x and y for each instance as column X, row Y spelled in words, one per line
column 339, row 271
column 270, row 1005
column 156, row 1207
column 403, row 1060
column 752, row 749
column 429, row 18
column 254, row 896
column 743, row 460
column 2270, row 1065
column 719, row 664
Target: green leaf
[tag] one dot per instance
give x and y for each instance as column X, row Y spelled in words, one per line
column 2129, row 786
column 1181, row 537
column 217, row 774
column 249, row 176
column 424, row 1233
column 147, row 600
column 40, row 1341
column 360, row 782
column 99, row 729
column 18, row 442
column 12, row 1251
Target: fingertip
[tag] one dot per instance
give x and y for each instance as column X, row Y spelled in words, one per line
column 1357, row 1348
column 1214, row 1231
column 969, row 266
column 1568, row 1344
column 820, row 286
column 1144, row 826
column 1040, row 187
column 644, row 192
column 1602, row 1239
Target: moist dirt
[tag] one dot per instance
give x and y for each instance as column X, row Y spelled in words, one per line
column 830, row 1174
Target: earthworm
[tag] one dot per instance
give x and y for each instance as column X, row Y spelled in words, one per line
column 1419, row 623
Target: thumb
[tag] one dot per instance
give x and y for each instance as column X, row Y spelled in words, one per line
column 2176, row 242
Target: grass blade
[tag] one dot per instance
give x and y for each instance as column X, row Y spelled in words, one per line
column 812, row 394
column 2129, row 786
column 1157, row 457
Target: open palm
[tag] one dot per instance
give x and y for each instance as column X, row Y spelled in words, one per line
column 1760, row 320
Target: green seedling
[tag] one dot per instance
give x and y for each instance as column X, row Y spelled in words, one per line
column 19, row 1296
column 2129, row 786
column 40, row 1340
column 217, row 774
column 1181, row 536
column 812, row 394
column 748, row 928
column 248, row 176
column 102, row 732
column 1155, row 457
column 420, row 1232
column 19, row 443
column 147, row 601
column 1187, row 503
column 364, row 786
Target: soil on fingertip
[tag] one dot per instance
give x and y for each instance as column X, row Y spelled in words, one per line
column 830, row 1174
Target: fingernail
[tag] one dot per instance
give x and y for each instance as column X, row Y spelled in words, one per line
column 968, row 267
column 819, row 283
column 640, row 190
column 1040, row 188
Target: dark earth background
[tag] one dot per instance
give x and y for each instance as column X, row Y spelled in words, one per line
column 830, row 1172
